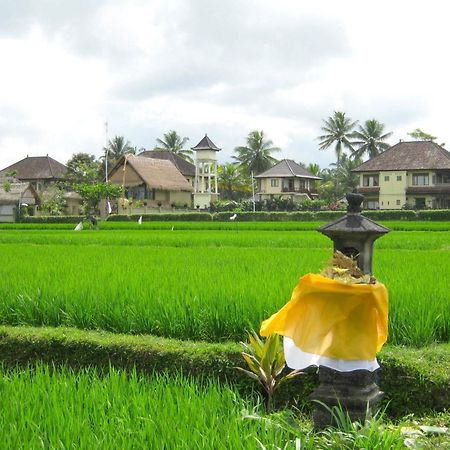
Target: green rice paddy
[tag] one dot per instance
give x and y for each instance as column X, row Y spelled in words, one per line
column 194, row 283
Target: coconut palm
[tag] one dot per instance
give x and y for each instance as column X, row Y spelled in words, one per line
column 348, row 180
column 338, row 131
column 231, row 180
column 174, row 143
column 118, row 147
column 370, row 139
column 256, row 155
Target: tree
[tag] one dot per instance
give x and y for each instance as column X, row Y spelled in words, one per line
column 421, row 135
column 83, row 168
column 256, row 155
column 338, row 131
column 174, row 143
column 348, row 180
column 91, row 194
column 232, row 181
column 370, row 139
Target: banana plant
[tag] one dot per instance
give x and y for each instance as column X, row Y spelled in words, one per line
column 266, row 362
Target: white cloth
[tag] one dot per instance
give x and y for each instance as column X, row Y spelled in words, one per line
column 79, row 227
column 298, row 359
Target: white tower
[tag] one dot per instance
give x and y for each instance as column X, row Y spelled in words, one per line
column 205, row 185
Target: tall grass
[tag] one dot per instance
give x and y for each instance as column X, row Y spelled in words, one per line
column 208, row 285
column 45, row 408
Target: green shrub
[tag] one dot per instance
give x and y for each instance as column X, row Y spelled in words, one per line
column 52, row 219
column 163, row 217
column 394, row 214
column 328, row 215
column 413, row 380
column 434, row 214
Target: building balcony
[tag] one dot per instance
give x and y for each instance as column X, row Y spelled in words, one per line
column 368, row 189
column 298, row 191
column 443, row 188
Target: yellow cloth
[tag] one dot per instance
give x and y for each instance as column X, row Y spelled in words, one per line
column 333, row 319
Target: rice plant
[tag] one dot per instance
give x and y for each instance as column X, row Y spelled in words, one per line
column 208, row 285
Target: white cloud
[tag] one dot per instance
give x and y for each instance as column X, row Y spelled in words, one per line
column 219, row 67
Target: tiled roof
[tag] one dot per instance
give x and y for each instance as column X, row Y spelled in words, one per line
column 37, row 168
column 287, row 168
column 156, row 173
column 185, row 167
column 415, row 155
column 206, row 144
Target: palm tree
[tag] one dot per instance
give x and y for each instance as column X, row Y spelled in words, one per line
column 348, row 180
column 256, row 155
column 231, row 180
column 314, row 169
column 370, row 139
column 118, row 147
column 338, row 129
column 174, row 143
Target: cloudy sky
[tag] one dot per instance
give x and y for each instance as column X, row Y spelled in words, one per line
column 224, row 67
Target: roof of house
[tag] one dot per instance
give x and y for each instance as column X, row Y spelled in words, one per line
column 413, row 155
column 156, row 173
column 15, row 193
column 206, row 144
column 37, row 168
column 185, row 167
column 287, row 168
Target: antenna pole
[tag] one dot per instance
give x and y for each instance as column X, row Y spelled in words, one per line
column 106, row 151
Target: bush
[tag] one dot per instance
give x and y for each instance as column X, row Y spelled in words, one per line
column 411, row 383
column 434, row 214
column 394, row 214
column 174, row 217
column 328, row 215
column 52, row 219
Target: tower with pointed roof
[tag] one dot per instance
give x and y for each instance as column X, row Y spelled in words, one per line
column 205, row 184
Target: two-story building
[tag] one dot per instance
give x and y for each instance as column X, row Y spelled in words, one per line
column 287, row 179
column 409, row 173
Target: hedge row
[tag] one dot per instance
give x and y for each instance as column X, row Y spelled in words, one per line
column 259, row 216
column 52, row 219
column 413, row 381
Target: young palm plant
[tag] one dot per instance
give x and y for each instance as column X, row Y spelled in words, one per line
column 265, row 359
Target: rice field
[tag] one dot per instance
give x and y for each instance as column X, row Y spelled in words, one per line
column 60, row 410
column 209, row 284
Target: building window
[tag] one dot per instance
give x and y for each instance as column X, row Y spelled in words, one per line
column 419, row 203
column 399, row 178
column 398, row 202
column 372, row 204
column 386, row 178
column 370, row 180
column 420, row 179
column 274, row 182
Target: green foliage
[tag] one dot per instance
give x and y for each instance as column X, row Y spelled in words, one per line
column 54, row 205
column 265, row 359
column 338, row 131
column 413, row 381
column 162, row 217
column 116, row 410
column 256, row 155
column 370, row 139
column 83, row 168
column 232, row 183
column 51, row 219
column 205, row 284
column 176, row 144
column 421, row 135
column 93, row 193
column 438, row 214
column 7, row 186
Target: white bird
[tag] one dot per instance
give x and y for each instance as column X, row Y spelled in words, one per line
column 79, row 227
column 140, row 220
column 233, row 217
